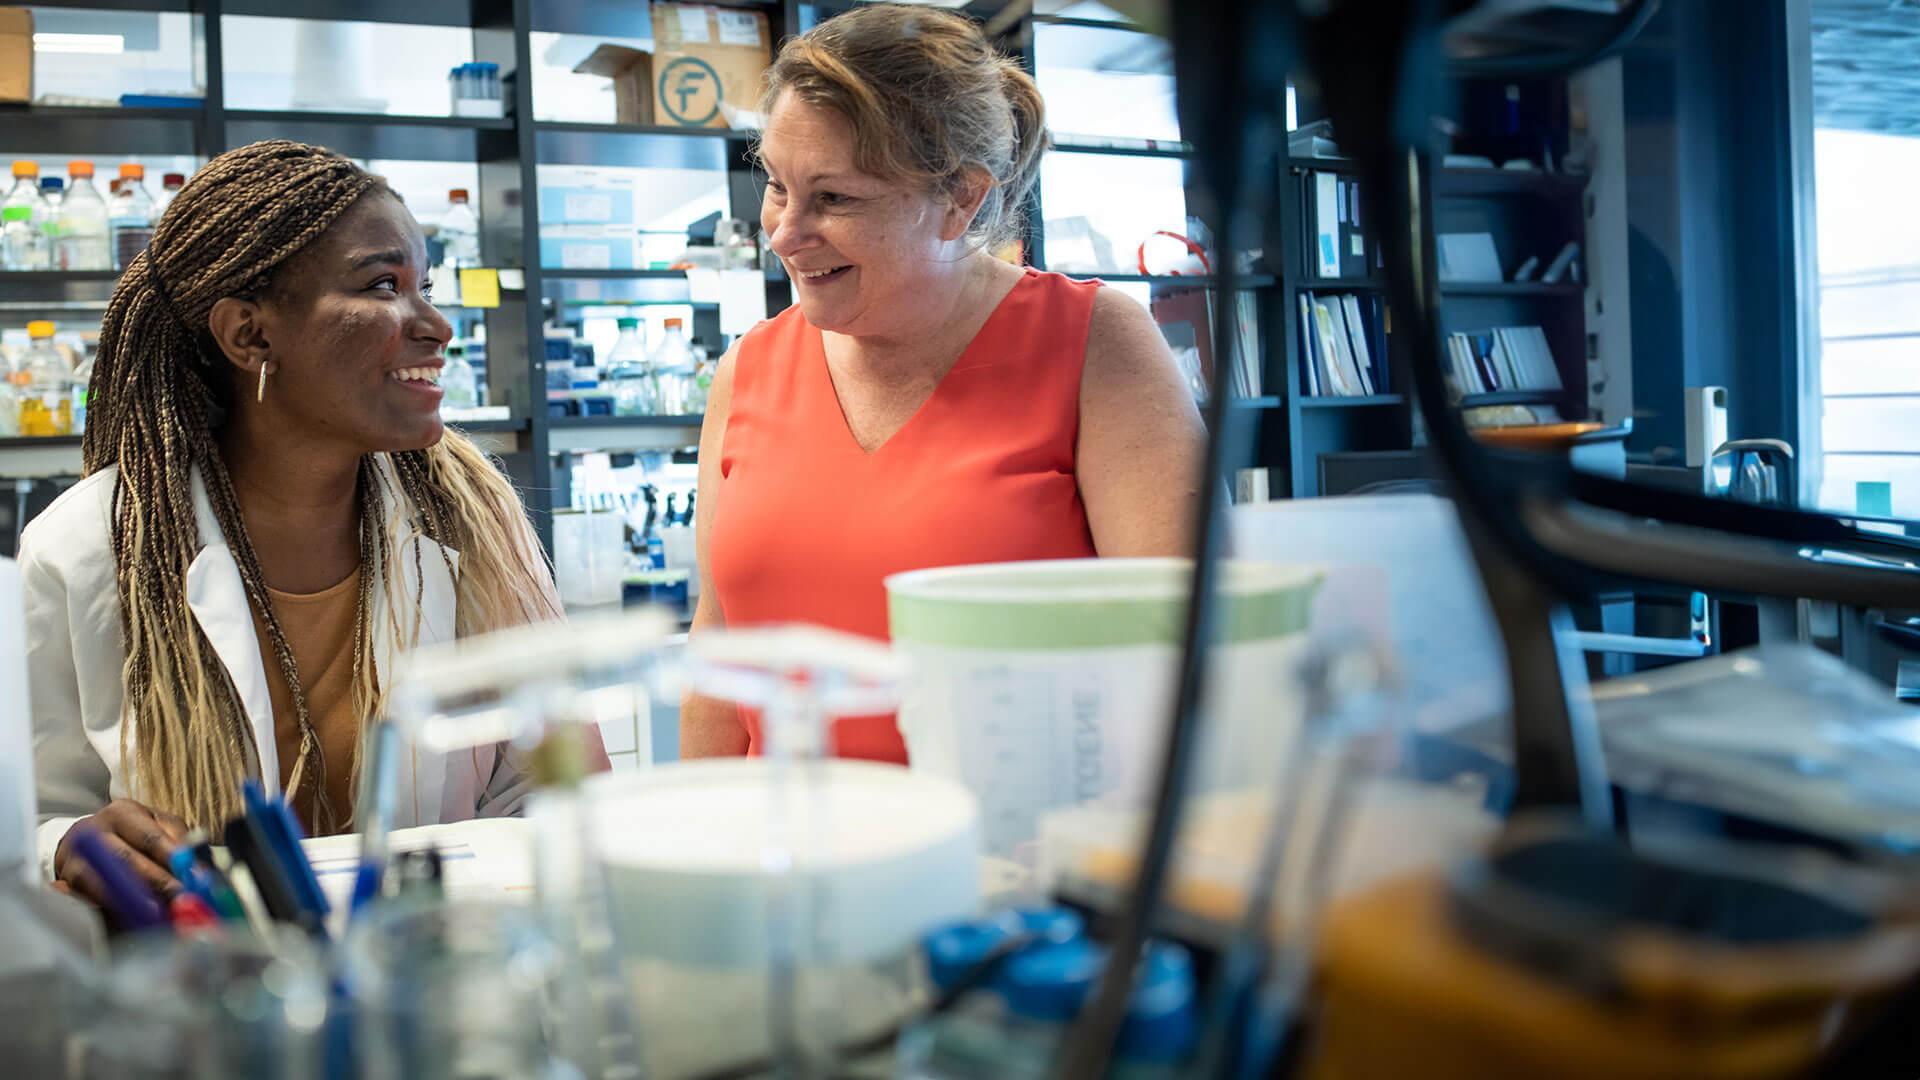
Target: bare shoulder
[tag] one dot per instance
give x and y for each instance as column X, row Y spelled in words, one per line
column 1122, row 339
column 720, row 393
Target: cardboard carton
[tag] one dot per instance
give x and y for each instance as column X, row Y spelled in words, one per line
column 632, row 73
column 16, row 54
column 705, row 57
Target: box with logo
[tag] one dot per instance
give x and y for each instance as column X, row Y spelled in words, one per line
column 706, row 62
column 16, row 54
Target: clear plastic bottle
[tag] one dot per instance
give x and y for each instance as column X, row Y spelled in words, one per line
column 630, row 373
column 81, row 241
column 673, row 369
column 82, row 378
column 132, row 217
column 703, row 368
column 23, row 236
column 460, row 232
column 45, row 385
column 53, row 191
column 10, row 380
column 459, row 387
column 170, row 186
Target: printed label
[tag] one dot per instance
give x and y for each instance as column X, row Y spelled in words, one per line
column 739, row 28
column 693, row 23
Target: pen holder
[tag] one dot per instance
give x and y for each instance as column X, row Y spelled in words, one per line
column 450, row 990
column 208, row 1008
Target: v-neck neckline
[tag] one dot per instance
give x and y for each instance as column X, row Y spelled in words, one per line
column 833, row 391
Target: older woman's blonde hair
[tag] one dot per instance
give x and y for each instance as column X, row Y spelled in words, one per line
column 931, row 103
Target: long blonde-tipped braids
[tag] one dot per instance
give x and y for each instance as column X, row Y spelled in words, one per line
column 159, row 392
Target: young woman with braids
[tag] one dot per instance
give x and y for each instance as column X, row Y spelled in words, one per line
column 271, row 512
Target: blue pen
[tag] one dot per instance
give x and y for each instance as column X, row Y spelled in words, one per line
column 282, row 833
column 375, row 813
column 190, row 876
column 127, row 897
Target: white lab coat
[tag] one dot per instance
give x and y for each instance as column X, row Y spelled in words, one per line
column 75, row 655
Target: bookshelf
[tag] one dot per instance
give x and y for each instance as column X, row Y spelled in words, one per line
column 1528, row 213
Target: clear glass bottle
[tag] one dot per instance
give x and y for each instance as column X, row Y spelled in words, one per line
column 673, row 369
column 460, row 232
column 635, row 392
column 23, row 236
column 82, row 241
column 45, row 385
column 459, row 387
column 53, row 191
column 131, row 221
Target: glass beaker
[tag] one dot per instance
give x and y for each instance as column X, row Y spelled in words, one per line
column 205, row 1007
column 462, row 990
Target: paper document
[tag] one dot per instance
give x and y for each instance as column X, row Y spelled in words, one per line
column 487, row 857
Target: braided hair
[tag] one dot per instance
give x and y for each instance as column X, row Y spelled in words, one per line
column 160, row 391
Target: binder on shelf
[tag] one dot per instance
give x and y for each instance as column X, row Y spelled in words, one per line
column 1357, row 339
column 1310, row 360
column 1353, row 239
column 1247, row 325
column 1324, row 200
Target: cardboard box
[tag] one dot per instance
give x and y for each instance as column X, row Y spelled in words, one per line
column 706, row 56
column 16, row 54
column 632, row 73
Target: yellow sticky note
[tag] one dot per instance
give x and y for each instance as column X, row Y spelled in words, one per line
column 480, row 288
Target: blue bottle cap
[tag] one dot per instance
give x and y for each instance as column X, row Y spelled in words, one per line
column 1051, row 982
column 51, row 183
column 1162, row 1021
column 954, row 950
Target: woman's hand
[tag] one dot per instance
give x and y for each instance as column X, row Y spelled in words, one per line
column 143, row 837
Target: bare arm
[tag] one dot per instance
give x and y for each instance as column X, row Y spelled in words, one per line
column 1142, row 445
column 710, row 728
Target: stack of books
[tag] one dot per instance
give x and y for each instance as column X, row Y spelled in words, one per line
column 1343, row 346
column 1504, row 358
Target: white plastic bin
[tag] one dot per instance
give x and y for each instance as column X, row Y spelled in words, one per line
column 1040, row 685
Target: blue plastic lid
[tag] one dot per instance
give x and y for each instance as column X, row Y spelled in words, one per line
column 956, row 949
column 1051, row 982
column 1052, row 923
column 1162, row 1021
column 52, row 182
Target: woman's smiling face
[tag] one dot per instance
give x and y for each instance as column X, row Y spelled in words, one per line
column 863, row 251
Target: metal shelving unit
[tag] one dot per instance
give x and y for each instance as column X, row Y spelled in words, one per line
column 506, row 152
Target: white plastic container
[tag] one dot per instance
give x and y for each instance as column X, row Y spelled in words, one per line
column 1042, row 685
column 685, row 851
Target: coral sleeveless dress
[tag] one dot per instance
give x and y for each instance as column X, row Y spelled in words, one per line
column 807, row 524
